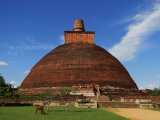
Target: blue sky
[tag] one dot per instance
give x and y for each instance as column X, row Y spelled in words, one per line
column 129, row 29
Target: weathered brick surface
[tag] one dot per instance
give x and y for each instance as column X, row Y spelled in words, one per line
column 74, row 64
column 77, row 37
column 77, row 62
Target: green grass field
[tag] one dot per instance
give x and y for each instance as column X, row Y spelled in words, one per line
column 56, row 113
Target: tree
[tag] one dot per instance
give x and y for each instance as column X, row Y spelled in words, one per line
column 9, row 91
column 2, row 85
column 6, row 89
column 2, row 81
column 155, row 91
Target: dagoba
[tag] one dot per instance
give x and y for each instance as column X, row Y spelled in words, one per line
column 78, row 61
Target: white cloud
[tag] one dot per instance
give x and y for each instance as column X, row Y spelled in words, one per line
column 150, row 86
column 15, row 83
column 141, row 88
column 153, row 86
column 28, row 44
column 26, row 72
column 3, row 63
column 62, row 39
column 35, row 46
column 132, row 42
column 158, row 76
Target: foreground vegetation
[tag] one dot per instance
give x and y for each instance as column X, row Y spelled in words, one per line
column 156, row 109
column 56, row 113
column 7, row 89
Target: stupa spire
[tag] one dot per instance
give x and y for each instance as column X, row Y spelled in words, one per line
column 79, row 35
column 78, row 25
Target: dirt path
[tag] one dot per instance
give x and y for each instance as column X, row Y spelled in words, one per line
column 136, row 113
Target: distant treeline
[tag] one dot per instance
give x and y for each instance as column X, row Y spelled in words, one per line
column 155, row 91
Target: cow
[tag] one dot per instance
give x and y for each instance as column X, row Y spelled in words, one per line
column 40, row 108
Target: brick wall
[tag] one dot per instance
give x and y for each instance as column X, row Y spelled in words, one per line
column 77, row 37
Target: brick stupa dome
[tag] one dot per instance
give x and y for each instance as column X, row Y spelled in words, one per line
column 78, row 61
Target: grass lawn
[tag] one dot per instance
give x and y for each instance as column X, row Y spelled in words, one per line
column 56, row 113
